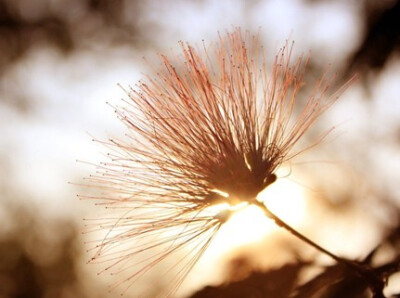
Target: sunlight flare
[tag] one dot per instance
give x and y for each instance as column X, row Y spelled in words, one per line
column 249, row 224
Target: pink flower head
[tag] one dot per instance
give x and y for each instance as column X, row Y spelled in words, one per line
column 207, row 131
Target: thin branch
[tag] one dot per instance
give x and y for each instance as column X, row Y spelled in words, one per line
column 363, row 270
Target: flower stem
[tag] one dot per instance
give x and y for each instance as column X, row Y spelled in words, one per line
column 284, row 225
column 360, row 269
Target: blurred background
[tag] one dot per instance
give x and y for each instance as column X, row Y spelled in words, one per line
column 61, row 61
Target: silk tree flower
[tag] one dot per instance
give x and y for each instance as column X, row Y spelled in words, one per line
column 205, row 135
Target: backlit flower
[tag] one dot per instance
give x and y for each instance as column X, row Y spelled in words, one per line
column 205, row 136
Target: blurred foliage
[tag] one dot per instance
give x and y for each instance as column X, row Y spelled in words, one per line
column 37, row 261
column 332, row 281
column 381, row 38
column 64, row 24
column 68, row 24
column 273, row 283
column 67, row 27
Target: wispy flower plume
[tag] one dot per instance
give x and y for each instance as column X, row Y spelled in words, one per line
column 205, row 136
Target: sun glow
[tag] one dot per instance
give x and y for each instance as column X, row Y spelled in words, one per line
column 249, row 224
column 286, row 199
